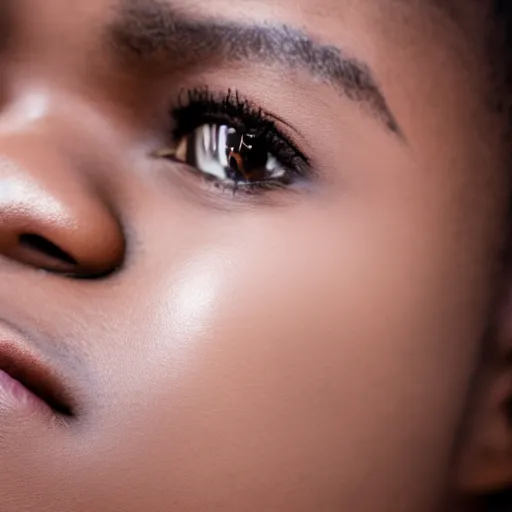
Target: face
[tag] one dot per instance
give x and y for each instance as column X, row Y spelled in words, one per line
column 247, row 252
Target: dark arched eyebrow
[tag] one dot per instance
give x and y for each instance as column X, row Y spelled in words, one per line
column 155, row 29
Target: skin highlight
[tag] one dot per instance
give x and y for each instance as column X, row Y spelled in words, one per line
column 314, row 347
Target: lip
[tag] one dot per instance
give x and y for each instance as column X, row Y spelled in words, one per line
column 28, row 382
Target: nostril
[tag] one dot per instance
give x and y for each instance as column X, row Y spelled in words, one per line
column 42, row 245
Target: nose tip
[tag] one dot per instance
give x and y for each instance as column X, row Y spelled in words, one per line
column 55, row 222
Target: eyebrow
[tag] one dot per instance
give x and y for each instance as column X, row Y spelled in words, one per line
column 149, row 29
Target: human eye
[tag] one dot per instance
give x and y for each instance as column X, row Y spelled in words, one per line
column 233, row 145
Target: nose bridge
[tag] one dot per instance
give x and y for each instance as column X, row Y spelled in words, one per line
column 52, row 214
column 40, row 26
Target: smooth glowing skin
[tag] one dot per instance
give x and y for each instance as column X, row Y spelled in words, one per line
column 306, row 351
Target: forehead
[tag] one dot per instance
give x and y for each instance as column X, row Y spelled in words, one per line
column 308, row 12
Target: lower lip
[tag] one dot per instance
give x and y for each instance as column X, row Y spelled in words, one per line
column 15, row 396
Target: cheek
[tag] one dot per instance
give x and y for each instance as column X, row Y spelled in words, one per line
column 321, row 353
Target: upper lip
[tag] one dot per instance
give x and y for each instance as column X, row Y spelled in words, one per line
column 32, row 372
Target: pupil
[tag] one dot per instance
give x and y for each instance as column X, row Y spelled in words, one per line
column 247, row 156
column 233, row 163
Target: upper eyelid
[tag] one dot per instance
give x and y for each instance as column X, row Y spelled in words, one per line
column 219, row 96
column 223, row 102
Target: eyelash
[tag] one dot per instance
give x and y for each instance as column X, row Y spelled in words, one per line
column 200, row 106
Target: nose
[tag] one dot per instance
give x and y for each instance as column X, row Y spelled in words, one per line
column 51, row 216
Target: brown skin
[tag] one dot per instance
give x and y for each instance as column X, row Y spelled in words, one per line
column 300, row 351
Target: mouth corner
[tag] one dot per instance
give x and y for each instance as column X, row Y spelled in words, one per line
column 37, row 377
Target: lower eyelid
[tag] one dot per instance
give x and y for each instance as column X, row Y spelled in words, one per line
column 194, row 187
column 243, row 189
